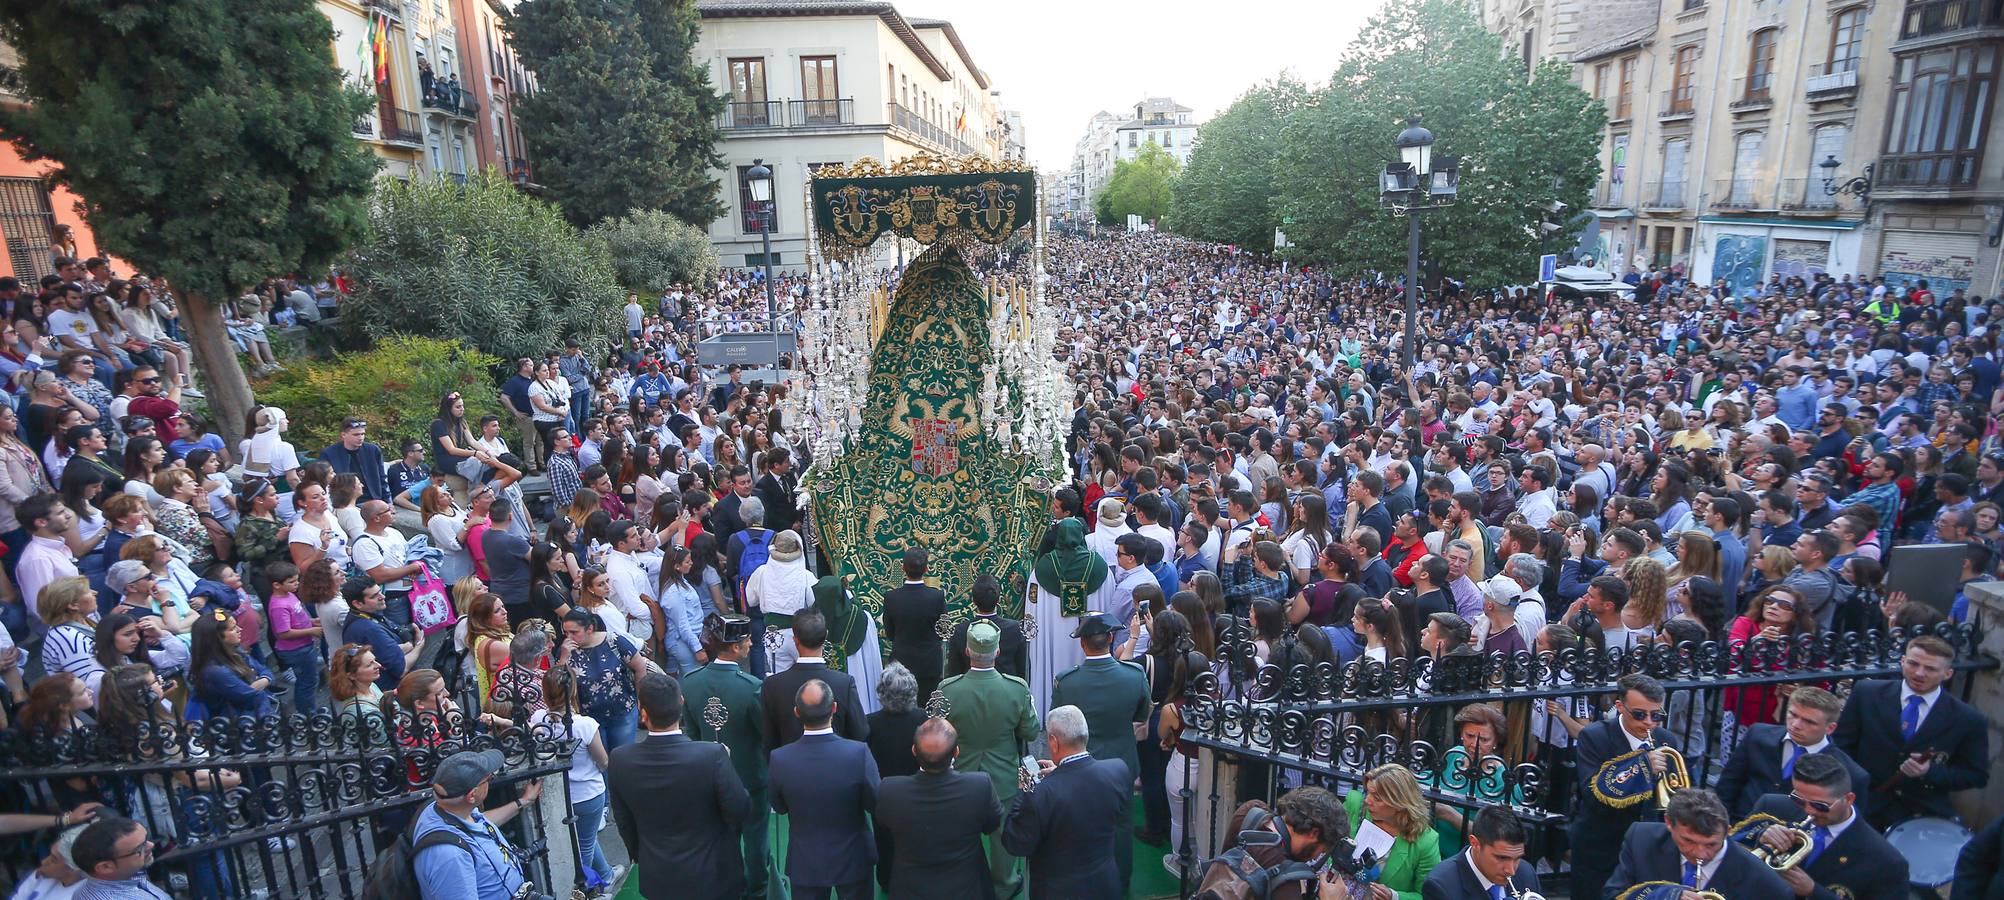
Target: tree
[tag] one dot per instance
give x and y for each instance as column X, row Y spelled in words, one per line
column 652, row 250
column 1228, row 191
column 1522, row 138
column 210, row 142
column 482, row 262
column 621, row 118
column 1139, row 187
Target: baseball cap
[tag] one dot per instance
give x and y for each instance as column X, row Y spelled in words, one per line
column 465, row 770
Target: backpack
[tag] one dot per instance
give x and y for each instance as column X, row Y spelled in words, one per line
column 1236, row 875
column 756, row 550
column 393, row 875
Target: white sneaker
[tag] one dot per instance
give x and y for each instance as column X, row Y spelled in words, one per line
column 1174, row 865
column 188, row 390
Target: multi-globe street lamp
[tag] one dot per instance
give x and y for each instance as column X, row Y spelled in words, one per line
column 1415, row 184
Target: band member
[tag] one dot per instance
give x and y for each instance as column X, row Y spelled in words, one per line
column 1915, row 741
column 1763, row 760
column 1846, row 857
column 1688, row 852
column 1495, row 857
column 1620, row 761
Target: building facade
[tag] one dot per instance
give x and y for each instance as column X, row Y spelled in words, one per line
column 812, row 82
column 373, row 48
column 497, row 77
column 1725, row 118
column 1112, row 138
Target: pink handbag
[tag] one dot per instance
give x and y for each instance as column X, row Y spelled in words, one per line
column 431, row 602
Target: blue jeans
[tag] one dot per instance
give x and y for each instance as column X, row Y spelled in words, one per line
column 307, row 668
column 618, row 731
column 590, row 814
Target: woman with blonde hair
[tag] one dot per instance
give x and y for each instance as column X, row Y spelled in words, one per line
column 66, row 606
column 1769, row 568
column 1648, row 597
column 1697, row 557
column 487, row 634
column 1391, row 799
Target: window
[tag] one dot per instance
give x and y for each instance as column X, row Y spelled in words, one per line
column 28, row 220
column 1600, row 82
column 1672, row 193
column 747, row 105
column 1941, row 107
column 1665, row 238
column 1693, row 4
column 1133, row 137
column 1530, row 38
column 1168, row 139
column 1682, row 90
column 1847, row 40
column 1746, row 159
column 1623, row 105
column 749, row 214
column 819, row 91
column 1760, row 64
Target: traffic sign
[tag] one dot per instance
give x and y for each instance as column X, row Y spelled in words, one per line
column 1548, row 267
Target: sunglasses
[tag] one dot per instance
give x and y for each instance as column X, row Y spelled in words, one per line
column 154, row 380
column 1649, row 715
column 1781, row 603
column 1818, row 805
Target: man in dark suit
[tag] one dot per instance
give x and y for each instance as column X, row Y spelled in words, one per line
column 810, row 633
column 1065, row 824
column 1597, row 828
column 678, row 803
column 776, row 490
column 1845, row 855
column 1690, row 847
column 911, row 620
column 1495, row 856
column 1915, row 741
column 724, row 517
column 1013, row 655
column 826, row 786
column 1113, row 695
column 936, row 819
column 1762, row 762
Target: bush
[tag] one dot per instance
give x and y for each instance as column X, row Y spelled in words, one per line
column 482, row 262
column 652, row 250
column 395, row 387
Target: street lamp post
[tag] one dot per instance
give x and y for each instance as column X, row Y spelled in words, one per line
column 759, row 179
column 1411, row 186
column 1859, row 186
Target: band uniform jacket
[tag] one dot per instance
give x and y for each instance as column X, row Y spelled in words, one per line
column 679, row 806
column 1012, row 656
column 738, row 707
column 1114, row 696
column 1979, row 870
column 1065, row 827
column 1596, row 828
column 1754, row 770
column 911, row 612
column 1454, row 880
column 936, row 821
column 826, row 786
column 1869, row 731
column 1649, row 854
column 782, row 727
column 1859, row 860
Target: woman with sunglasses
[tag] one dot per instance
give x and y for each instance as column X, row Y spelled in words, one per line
column 1777, row 615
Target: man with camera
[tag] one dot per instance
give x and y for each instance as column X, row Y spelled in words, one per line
column 476, row 861
column 1290, row 840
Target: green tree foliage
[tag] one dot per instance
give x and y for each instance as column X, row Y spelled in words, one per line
column 482, row 262
column 1522, row 139
column 1139, row 187
column 1228, row 191
column 395, row 386
column 652, row 250
column 210, row 142
column 621, row 117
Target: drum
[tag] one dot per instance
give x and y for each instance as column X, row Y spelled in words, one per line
column 1930, row 845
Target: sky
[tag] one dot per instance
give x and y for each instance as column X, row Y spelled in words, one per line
column 1060, row 61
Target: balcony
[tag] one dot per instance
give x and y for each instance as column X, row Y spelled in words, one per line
column 1928, row 172
column 451, row 99
column 752, row 114
column 925, row 132
column 364, row 127
column 1737, row 193
column 1678, row 103
column 392, row 8
column 1928, row 18
column 401, row 127
column 1609, row 196
column 1663, row 195
column 1752, row 93
column 814, row 113
column 1832, row 80
column 1806, row 195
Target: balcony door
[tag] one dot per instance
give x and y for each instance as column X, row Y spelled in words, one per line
column 748, row 107
column 820, row 93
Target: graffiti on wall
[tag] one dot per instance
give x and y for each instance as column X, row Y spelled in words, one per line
column 1943, row 273
column 1801, row 259
column 1740, row 260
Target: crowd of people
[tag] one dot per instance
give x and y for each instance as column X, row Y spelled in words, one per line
column 1251, row 456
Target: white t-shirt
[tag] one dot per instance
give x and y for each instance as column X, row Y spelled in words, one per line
column 556, row 393
column 304, row 532
column 283, row 458
column 77, row 325
column 386, row 549
column 587, row 782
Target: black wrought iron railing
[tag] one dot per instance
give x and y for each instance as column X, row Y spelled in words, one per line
column 402, row 126
column 1925, row 18
column 753, row 114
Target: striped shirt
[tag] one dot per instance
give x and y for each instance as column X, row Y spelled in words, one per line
column 71, row 648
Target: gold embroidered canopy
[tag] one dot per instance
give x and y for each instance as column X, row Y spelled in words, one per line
column 925, row 198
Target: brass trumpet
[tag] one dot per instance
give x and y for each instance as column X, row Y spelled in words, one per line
column 1750, row 830
column 1517, row 893
column 1676, row 776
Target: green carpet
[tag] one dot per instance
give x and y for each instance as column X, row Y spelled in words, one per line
column 1150, row 880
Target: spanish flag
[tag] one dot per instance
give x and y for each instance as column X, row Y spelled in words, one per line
column 380, row 44
column 961, row 125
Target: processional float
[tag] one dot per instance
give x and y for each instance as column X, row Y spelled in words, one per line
column 931, row 401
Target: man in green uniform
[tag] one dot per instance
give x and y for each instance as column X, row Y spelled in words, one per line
column 1114, row 697
column 995, row 719
column 722, row 705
